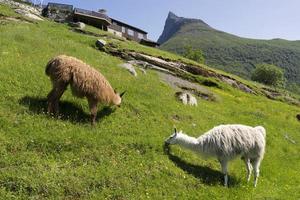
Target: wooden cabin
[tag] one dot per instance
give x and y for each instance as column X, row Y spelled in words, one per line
column 98, row 19
column 93, row 18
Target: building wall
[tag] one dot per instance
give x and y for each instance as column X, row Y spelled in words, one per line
column 128, row 32
column 115, row 32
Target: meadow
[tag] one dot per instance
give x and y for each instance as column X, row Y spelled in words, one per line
column 122, row 157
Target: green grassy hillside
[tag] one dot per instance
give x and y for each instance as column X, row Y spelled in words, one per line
column 229, row 52
column 42, row 157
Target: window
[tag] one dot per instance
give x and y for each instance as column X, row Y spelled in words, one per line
column 140, row 36
column 130, row 32
column 123, row 29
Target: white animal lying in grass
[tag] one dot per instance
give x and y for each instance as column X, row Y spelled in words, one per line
column 226, row 142
column 187, row 98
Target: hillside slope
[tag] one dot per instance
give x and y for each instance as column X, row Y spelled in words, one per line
column 43, row 157
column 229, row 52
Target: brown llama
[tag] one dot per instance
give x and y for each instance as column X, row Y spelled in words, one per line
column 84, row 80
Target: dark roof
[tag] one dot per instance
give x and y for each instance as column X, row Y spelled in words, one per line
column 92, row 14
column 147, row 41
column 129, row 26
column 60, row 6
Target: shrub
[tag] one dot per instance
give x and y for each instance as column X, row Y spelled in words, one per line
column 194, row 54
column 268, row 74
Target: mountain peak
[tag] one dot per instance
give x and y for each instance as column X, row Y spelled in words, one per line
column 174, row 23
column 172, row 15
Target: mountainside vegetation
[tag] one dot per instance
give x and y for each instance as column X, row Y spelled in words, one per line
column 269, row 75
column 122, row 156
column 229, row 52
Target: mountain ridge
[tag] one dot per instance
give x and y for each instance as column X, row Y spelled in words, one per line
column 228, row 52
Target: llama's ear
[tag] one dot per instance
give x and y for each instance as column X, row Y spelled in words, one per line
column 122, row 93
column 175, row 130
column 115, row 90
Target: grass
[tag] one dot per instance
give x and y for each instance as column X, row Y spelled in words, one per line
column 122, row 157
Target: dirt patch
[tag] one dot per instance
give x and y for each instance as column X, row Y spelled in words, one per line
column 181, row 84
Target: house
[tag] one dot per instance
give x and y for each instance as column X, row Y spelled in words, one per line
column 93, row 18
column 64, row 12
column 116, row 27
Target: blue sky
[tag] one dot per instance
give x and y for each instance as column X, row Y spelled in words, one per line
column 261, row 19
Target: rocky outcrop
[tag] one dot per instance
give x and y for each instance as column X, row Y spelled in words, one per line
column 175, row 67
column 190, row 72
column 24, row 9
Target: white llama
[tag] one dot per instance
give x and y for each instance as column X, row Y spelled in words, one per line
column 226, row 142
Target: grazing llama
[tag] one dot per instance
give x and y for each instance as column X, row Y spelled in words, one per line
column 84, row 80
column 226, row 142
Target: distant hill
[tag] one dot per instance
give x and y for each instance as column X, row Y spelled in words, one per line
column 229, row 52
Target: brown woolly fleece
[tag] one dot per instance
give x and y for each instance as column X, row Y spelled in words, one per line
column 84, row 80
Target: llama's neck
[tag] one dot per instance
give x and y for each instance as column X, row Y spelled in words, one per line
column 188, row 142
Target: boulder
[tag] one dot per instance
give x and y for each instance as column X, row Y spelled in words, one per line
column 26, row 13
column 79, row 25
column 129, row 67
column 100, row 43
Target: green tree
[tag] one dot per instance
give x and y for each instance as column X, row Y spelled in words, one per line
column 194, row 54
column 268, row 74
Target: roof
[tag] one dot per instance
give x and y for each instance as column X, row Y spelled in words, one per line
column 149, row 42
column 60, row 5
column 129, row 26
column 92, row 14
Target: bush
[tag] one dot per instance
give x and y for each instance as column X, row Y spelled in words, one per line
column 268, row 74
column 194, row 54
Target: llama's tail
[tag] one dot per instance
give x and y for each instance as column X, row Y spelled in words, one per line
column 49, row 66
column 262, row 130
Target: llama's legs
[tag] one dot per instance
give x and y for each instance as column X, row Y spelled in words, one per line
column 54, row 96
column 256, row 165
column 50, row 101
column 224, row 165
column 93, row 109
column 249, row 168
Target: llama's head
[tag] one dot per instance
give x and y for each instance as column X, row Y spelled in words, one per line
column 173, row 138
column 118, row 98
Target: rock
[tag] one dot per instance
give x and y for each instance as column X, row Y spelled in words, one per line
column 79, row 25
column 100, row 43
column 143, row 65
column 187, row 98
column 28, row 14
column 184, row 85
column 24, row 9
column 143, row 70
column 129, row 67
column 298, row 117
